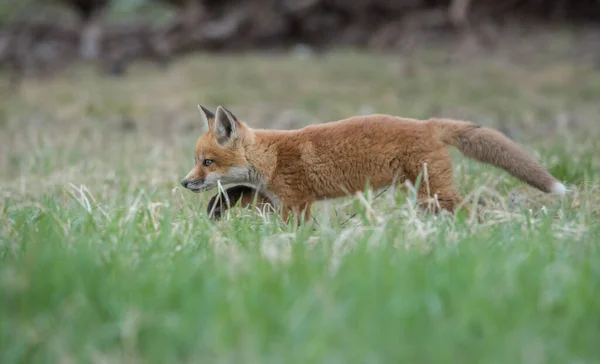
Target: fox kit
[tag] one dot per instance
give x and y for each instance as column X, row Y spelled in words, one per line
column 291, row 169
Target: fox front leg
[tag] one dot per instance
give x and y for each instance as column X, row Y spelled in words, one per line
column 243, row 195
column 300, row 211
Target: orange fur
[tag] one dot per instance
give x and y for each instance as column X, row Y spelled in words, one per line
column 294, row 168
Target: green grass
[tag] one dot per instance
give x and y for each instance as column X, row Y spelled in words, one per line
column 104, row 258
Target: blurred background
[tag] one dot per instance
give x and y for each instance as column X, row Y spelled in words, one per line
column 41, row 37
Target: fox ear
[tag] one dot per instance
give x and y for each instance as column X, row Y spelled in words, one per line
column 225, row 126
column 207, row 118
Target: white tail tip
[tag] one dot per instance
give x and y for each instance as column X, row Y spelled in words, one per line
column 559, row 189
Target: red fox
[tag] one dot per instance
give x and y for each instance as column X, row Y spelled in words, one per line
column 291, row 169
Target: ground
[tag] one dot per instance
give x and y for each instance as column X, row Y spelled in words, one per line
column 105, row 258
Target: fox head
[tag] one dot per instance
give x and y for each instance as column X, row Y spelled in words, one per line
column 220, row 154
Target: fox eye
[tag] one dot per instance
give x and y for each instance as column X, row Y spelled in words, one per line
column 207, row 162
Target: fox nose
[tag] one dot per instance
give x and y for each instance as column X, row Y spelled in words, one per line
column 185, row 183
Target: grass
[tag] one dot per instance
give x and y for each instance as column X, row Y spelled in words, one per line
column 104, row 258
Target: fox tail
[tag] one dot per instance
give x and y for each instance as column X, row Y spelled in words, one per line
column 490, row 146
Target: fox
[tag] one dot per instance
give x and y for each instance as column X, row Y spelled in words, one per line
column 292, row 169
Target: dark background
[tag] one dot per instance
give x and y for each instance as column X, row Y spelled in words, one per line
column 40, row 37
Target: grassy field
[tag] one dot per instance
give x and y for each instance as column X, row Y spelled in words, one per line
column 105, row 259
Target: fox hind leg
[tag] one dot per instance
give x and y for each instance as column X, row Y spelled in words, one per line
column 436, row 191
column 440, row 199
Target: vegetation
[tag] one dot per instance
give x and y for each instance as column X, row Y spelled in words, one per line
column 104, row 258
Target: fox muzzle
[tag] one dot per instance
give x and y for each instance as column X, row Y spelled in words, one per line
column 193, row 185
